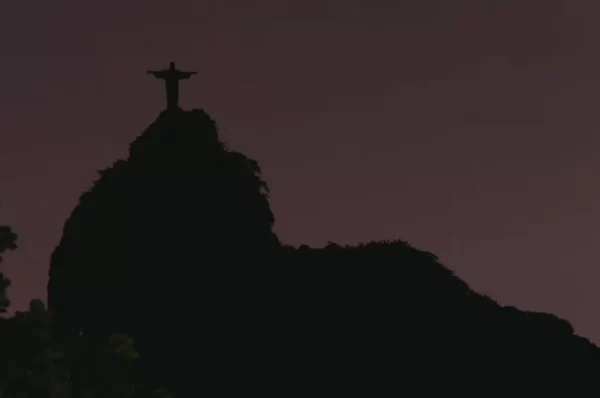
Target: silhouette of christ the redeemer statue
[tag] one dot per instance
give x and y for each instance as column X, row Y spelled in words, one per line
column 172, row 77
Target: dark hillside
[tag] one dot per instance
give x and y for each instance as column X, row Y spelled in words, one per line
column 174, row 246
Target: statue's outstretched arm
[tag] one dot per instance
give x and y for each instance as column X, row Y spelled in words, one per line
column 186, row 75
column 156, row 73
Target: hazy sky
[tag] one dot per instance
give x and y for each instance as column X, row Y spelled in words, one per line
column 467, row 127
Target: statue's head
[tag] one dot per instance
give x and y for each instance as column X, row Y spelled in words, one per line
column 172, row 65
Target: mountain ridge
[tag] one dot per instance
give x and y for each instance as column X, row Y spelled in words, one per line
column 175, row 244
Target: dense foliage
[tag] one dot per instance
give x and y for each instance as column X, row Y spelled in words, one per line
column 34, row 362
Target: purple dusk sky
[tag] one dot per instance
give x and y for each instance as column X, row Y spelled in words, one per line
column 469, row 128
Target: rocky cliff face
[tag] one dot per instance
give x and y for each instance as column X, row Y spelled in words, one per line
column 158, row 230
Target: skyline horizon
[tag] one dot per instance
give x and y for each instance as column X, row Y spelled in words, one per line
column 470, row 128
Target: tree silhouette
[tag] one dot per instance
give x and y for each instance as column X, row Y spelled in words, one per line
column 8, row 241
column 33, row 363
column 4, row 301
